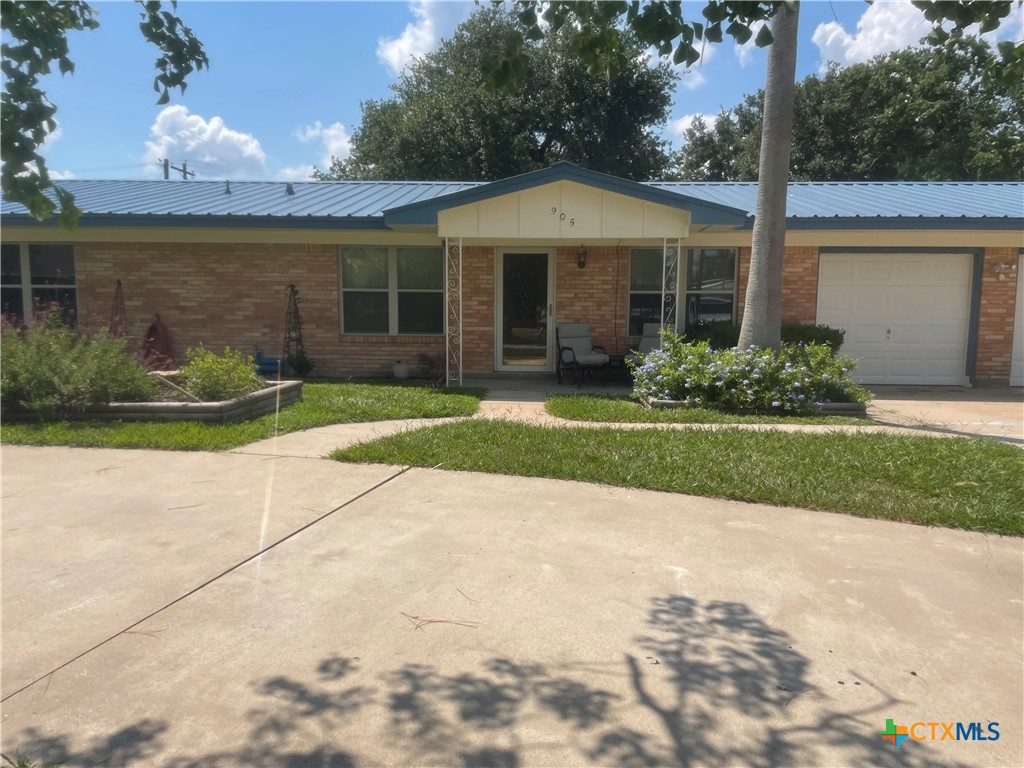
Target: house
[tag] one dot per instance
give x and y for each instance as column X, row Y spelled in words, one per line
column 924, row 277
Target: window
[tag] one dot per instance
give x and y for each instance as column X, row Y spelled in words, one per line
column 36, row 276
column 646, row 266
column 392, row 290
column 710, row 286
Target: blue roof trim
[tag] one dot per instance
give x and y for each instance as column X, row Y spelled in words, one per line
column 903, row 222
column 199, row 221
column 424, row 213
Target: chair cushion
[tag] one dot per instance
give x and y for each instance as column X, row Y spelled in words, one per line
column 591, row 358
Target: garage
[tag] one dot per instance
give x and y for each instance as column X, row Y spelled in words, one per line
column 1017, row 356
column 906, row 315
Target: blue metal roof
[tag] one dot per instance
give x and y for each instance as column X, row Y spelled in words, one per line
column 872, row 199
column 365, row 202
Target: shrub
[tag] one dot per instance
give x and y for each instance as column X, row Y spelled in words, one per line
column 789, row 381
column 724, row 334
column 213, row 377
column 52, row 369
column 721, row 334
column 808, row 333
column 301, row 364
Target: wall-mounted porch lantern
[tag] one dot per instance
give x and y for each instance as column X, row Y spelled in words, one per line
column 581, row 257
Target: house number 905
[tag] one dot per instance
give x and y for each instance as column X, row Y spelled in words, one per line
column 561, row 216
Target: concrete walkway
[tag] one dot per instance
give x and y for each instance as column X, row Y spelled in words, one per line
column 901, row 411
column 438, row 618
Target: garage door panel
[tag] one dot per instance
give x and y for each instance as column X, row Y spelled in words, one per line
column 868, row 300
column 905, row 315
column 873, row 272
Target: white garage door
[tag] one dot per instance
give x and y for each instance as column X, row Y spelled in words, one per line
column 1017, row 357
column 905, row 314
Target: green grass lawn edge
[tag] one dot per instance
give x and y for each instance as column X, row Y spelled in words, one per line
column 965, row 483
column 322, row 404
column 622, row 409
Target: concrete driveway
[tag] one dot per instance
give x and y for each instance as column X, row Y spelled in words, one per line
column 438, row 618
column 991, row 411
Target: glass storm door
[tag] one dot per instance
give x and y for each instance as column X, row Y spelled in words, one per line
column 524, row 304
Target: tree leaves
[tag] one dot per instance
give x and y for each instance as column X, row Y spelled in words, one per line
column 490, row 103
column 38, row 38
column 916, row 114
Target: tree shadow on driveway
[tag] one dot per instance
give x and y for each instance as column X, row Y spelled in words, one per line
column 705, row 683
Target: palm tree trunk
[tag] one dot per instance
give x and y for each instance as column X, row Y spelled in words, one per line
column 762, row 314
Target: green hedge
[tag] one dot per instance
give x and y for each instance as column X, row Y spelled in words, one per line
column 724, row 335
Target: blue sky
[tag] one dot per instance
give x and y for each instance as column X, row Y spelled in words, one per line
column 287, row 78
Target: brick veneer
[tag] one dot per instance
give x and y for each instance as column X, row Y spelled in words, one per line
column 995, row 322
column 799, row 283
column 235, row 294
column 597, row 294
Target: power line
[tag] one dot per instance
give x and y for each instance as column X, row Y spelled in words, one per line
column 186, row 174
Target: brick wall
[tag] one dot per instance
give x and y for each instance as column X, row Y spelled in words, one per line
column 597, row 294
column 995, row 322
column 799, row 283
column 236, row 294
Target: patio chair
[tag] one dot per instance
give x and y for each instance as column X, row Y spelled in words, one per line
column 577, row 353
column 650, row 341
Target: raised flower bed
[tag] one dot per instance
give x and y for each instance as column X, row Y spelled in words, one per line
column 259, row 403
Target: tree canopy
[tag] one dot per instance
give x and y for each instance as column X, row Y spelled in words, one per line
column 446, row 122
column 38, row 42
column 918, row 114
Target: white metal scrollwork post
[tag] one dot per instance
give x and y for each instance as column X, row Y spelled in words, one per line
column 669, row 282
column 453, row 311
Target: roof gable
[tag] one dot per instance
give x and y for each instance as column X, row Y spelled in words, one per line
column 425, row 212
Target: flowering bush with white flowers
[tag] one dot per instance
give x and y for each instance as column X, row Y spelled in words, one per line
column 788, row 381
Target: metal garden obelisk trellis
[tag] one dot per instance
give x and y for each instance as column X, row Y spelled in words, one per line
column 453, row 311
column 118, row 325
column 669, row 282
column 293, row 347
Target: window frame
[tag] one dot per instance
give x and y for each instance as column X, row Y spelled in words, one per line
column 630, row 291
column 392, row 291
column 684, row 281
column 29, row 287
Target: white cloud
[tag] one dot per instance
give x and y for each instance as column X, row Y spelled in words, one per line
column 433, row 21
column 692, row 79
column 61, row 175
column 209, row 146
column 679, row 125
column 337, row 143
column 889, row 25
column 745, row 52
column 295, row 173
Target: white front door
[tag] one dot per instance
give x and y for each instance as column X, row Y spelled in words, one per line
column 524, row 303
column 906, row 315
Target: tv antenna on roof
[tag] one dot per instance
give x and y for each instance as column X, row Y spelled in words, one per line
column 186, row 174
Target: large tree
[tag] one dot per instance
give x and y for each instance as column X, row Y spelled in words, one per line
column 925, row 113
column 36, row 43
column 663, row 25
column 445, row 122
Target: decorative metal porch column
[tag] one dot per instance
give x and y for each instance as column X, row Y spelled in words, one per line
column 453, row 311
column 669, row 282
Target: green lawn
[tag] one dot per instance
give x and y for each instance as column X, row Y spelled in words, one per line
column 974, row 484
column 321, row 405
column 623, row 410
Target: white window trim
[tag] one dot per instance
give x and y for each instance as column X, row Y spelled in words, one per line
column 653, row 292
column 392, row 292
column 29, row 288
column 684, row 279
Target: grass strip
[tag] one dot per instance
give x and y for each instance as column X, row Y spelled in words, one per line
column 973, row 484
column 321, row 405
column 622, row 409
